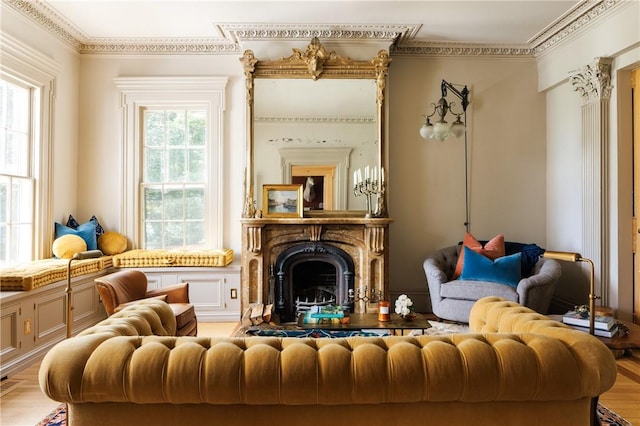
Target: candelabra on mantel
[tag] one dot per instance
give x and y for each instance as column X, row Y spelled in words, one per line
column 373, row 184
column 363, row 296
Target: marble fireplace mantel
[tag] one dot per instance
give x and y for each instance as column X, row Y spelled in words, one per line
column 366, row 240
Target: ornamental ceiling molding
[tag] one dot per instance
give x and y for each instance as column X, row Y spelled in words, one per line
column 575, row 20
column 400, row 37
column 49, row 20
column 159, row 47
column 254, row 31
column 460, row 49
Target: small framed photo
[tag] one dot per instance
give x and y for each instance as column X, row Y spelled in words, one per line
column 282, row 201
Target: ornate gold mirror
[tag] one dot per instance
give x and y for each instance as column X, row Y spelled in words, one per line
column 316, row 119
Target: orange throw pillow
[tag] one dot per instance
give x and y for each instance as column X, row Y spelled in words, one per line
column 492, row 250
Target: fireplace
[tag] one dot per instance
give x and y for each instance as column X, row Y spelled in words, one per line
column 279, row 255
column 309, row 274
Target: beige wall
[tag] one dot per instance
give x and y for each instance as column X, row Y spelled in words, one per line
column 506, row 136
column 100, row 151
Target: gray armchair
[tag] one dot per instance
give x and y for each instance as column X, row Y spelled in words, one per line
column 452, row 299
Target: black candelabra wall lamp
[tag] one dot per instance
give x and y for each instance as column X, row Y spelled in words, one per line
column 441, row 129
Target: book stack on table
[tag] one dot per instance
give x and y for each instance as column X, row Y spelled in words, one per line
column 603, row 326
column 325, row 314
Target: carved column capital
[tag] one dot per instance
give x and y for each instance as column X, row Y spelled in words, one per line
column 593, row 82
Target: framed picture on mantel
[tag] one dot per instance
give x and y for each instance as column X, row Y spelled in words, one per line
column 282, row 200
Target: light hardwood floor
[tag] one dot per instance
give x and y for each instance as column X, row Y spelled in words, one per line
column 624, row 396
column 26, row 405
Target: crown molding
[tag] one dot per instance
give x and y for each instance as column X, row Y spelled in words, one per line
column 252, row 31
column 400, row 38
column 158, row 46
column 584, row 14
column 46, row 18
column 460, row 49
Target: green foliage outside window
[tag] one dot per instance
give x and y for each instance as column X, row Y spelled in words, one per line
column 175, row 170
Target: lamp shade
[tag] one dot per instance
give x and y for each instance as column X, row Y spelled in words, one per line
column 457, row 128
column 441, row 130
column 426, row 131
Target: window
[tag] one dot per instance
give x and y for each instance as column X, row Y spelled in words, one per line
column 27, row 103
column 16, row 172
column 174, row 178
column 172, row 161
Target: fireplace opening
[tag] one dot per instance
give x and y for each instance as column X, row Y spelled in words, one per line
column 314, row 281
column 312, row 274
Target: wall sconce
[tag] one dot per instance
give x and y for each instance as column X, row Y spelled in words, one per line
column 78, row 256
column 576, row 257
column 441, row 130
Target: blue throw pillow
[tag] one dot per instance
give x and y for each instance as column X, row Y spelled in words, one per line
column 530, row 254
column 73, row 223
column 87, row 231
column 503, row 270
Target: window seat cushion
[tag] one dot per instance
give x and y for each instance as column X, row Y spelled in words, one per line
column 39, row 273
column 161, row 258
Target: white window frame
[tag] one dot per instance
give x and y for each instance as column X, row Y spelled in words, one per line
column 20, row 62
column 140, row 92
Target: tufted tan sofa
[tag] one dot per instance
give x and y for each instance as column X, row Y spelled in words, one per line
column 517, row 368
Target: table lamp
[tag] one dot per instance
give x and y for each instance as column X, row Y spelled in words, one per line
column 577, row 257
column 90, row 254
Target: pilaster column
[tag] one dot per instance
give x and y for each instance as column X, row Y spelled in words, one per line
column 593, row 83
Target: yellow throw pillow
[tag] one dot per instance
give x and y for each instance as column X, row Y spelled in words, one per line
column 111, row 243
column 66, row 246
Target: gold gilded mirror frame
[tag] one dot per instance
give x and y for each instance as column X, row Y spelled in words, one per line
column 315, row 62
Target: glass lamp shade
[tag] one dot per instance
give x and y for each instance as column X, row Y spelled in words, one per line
column 441, row 130
column 426, row 131
column 457, row 128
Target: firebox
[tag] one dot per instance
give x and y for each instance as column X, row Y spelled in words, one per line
column 310, row 274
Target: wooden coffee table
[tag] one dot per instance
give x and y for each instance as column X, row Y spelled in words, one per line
column 369, row 321
column 619, row 342
column 624, row 342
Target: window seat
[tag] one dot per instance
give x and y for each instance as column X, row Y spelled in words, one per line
column 39, row 273
column 164, row 258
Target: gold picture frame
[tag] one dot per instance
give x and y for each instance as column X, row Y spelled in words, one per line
column 280, row 200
